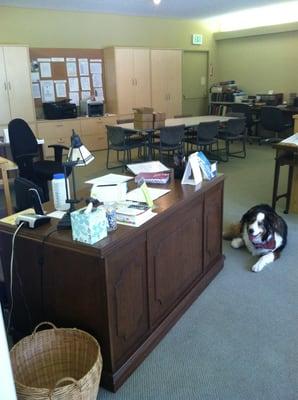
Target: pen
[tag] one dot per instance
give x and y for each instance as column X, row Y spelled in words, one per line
column 111, row 184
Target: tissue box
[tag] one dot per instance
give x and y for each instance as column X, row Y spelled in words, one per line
column 89, row 227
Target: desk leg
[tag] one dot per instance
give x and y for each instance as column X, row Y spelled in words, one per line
column 294, row 193
column 7, row 196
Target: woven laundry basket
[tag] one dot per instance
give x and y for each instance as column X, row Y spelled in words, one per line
column 57, row 364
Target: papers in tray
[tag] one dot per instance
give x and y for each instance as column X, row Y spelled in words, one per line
column 150, row 166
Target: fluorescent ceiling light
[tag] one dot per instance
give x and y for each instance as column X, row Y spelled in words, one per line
column 254, row 17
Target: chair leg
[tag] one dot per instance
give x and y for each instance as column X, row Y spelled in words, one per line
column 275, row 183
column 289, row 188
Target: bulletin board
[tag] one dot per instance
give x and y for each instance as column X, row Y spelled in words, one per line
column 59, row 74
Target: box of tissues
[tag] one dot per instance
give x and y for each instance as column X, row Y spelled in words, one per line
column 89, row 225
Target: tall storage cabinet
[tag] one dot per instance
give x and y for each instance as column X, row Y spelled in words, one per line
column 166, row 81
column 15, row 85
column 127, row 79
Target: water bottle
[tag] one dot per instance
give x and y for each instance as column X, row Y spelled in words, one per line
column 59, row 192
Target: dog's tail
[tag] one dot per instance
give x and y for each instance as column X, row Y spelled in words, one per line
column 232, row 231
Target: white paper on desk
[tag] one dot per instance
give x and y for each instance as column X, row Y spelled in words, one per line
column 150, row 166
column 83, row 66
column 36, row 91
column 73, row 84
column 291, row 139
column 47, row 91
column 85, row 82
column 56, row 214
column 35, row 76
column 45, row 70
column 109, row 179
column 137, row 194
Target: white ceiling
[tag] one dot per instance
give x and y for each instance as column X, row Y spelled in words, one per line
column 166, row 9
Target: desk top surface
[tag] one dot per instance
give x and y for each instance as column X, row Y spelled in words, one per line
column 166, row 206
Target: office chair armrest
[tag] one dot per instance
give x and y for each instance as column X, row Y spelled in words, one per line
column 24, row 156
column 58, row 150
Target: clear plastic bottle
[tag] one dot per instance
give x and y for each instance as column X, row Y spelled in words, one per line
column 59, row 192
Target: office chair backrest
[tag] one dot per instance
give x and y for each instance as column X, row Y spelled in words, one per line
column 246, row 110
column 172, row 135
column 115, row 135
column 295, row 102
column 207, row 130
column 22, row 195
column 235, row 126
column 272, row 119
column 22, row 139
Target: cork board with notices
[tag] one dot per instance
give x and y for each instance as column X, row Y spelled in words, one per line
column 60, row 74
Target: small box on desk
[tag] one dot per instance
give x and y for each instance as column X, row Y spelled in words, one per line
column 89, row 227
column 143, row 118
column 159, row 119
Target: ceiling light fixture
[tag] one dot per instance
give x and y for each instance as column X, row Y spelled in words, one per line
column 156, row 2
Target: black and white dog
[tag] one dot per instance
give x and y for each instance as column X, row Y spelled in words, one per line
column 263, row 232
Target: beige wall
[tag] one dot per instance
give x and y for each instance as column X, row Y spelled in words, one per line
column 260, row 63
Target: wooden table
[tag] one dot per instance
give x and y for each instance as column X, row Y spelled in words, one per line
column 5, row 166
column 281, row 148
column 128, row 289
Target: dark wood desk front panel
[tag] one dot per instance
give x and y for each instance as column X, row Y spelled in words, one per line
column 128, row 289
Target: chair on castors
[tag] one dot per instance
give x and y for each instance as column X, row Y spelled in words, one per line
column 24, row 150
column 273, row 119
column 234, row 130
column 289, row 159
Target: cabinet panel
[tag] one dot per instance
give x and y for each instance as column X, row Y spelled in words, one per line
column 94, row 142
column 142, row 86
column 127, row 296
column 175, row 259
column 19, row 83
column 213, row 226
column 158, row 80
column 92, row 126
column 4, row 100
column 124, row 80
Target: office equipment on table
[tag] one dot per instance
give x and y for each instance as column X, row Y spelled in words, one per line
column 92, row 107
column 153, row 177
column 78, row 156
column 24, row 149
column 286, row 155
column 158, row 269
column 59, row 110
column 270, row 99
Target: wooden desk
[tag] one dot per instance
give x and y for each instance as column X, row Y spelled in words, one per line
column 130, row 288
column 7, row 165
column 292, row 148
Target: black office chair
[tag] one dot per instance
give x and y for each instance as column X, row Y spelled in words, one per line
column 24, row 149
column 205, row 137
column 273, row 119
column 171, row 140
column 22, row 196
column 233, row 130
column 251, row 121
column 121, row 140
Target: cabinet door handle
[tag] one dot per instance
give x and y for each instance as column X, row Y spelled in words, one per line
column 132, row 81
column 5, row 86
column 9, row 86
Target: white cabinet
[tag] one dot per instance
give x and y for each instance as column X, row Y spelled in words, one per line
column 15, row 85
column 166, row 81
column 127, row 79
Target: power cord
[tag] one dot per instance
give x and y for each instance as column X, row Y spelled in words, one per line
column 11, row 274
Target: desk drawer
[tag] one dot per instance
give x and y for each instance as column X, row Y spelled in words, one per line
column 94, row 142
column 61, row 128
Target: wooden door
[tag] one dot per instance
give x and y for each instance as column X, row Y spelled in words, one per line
column 142, row 81
column 124, row 80
column 175, row 258
column 195, row 82
column 4, row 100
column 174, row 82
column 158, row 80
column 19, row 83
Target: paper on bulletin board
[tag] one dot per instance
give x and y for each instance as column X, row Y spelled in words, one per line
column 85, row 82
column 98, row 91
column 95, row 67
column 83, row 66
column 45, row 70
column 74, row 98
column 35, row 77
column 73, row 84
column 60, row 88
column 85, row 95
column 36, row 91
column 97, row 80
column 71, row 68
column 47, row 91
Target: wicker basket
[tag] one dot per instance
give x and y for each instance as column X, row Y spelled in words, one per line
column 45, row 360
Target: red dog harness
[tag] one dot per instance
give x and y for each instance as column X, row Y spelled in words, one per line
column 269, row 244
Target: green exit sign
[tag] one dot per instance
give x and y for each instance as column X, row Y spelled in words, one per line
column 197, row 39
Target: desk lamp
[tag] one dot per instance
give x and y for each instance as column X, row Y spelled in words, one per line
column 78, row 156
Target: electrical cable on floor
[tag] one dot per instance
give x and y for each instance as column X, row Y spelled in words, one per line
column 11, row 274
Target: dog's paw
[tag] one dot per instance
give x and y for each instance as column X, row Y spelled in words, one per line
column 263, row 261
column 237, row 243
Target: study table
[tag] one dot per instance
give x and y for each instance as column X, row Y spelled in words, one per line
column 128, row 289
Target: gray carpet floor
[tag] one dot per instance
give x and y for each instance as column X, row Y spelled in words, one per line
column 238, row 341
